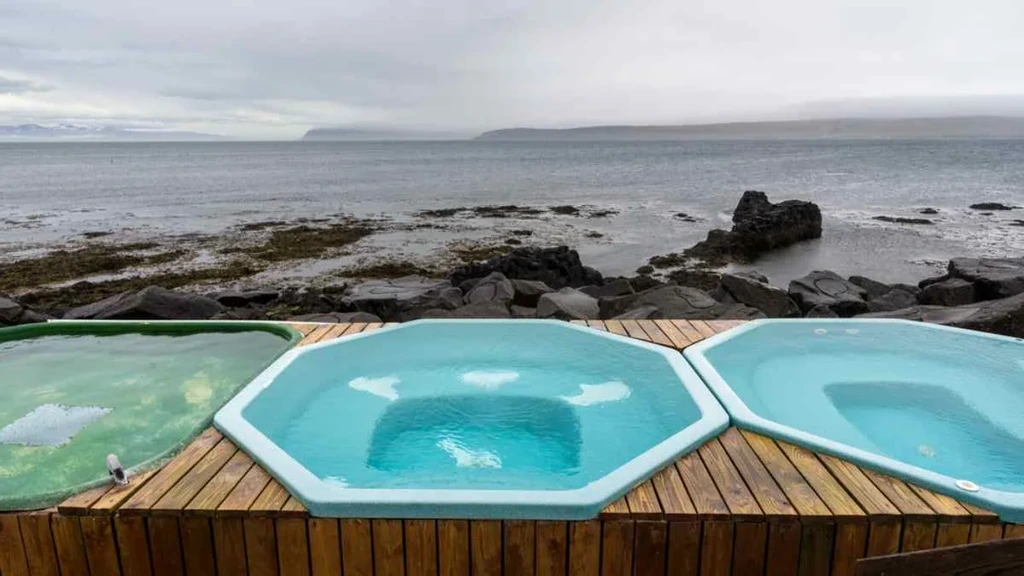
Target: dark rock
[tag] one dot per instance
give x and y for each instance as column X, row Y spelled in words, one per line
column 951, row 292
column 307, row 299
column 152, row 303
column 645, row 269
column 874, row 288
column 928, row 211
column 892, row 300
column 641, row 313
column 513, row 241
column 565, row 210
column 758, row 227
column 927, row 281
column 906, row 288
column 244, row 313
column 527, row 292
column 522, row 311
column 567, row 304
column 992, row 277
column 337, row 317
column 521, row 232
column 492, row 288
column 992, row 206
column 704, row 279
column 684, row 217
column 477, row 310
column 753, row 289
column 641, row 283
column 402, row 298
column 466, row 286
column 677, row 302
column 1017, row 223
column 902, row 220
column 826, row 288
column 1004, row 316
column 237, row 299
column 602, row 213
column 32, row 317
column 821, row 311
column 557, row 267
column 615, row 287
column 593, row 234
column 10, row 311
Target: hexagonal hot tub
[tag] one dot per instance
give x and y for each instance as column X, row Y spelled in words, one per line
column 471, row 419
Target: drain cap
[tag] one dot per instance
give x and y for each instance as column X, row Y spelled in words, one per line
column 967, row 485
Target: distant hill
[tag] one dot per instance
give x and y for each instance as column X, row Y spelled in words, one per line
column 73, row 132
column 850, row 128
column 372, row 135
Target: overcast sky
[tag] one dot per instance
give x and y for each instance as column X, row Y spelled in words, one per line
column 273, row 68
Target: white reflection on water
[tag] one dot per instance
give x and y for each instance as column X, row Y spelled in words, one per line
column 466, row 457
column 490, row 380
column 383, row 387
column 591, row 394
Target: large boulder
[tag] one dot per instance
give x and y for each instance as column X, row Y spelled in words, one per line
column 753, row 289
column 826, row 288
column 567, row 304
column 948, row 292
column 678, row 302
column 874, row 288
column 13, row 313
column 892, row 300
column 402, row 298
column 242, row 298
column 615, row 287
column 758, row 227
column 992, row 277
column 475, row 310
column 494, row 287
column 152, row 303
column 337, row 317
column 557, row 267
column 528, row 292
column 1004, row 316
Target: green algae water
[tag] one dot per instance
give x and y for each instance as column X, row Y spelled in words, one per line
column 70, row 396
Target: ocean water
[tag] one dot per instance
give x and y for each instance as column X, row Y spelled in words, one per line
column 51, row 193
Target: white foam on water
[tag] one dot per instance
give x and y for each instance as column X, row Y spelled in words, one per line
column 591, row 394
column 335, row 482
column 383, row 387
column 489, row 380
column 50, row 425
column 467, row 457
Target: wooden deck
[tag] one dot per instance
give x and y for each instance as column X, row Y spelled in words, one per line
column 742, row 504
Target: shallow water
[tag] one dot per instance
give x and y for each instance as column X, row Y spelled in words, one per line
column 153, row 393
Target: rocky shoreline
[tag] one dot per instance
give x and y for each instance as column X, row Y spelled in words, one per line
column 511, row 281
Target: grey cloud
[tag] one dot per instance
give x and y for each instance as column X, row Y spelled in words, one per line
column 14, row 86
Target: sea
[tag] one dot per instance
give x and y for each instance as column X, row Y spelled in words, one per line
column 52, row 193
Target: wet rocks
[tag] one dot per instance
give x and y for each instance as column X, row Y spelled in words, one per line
column 826, row 288
column 673, row 301
column 928, row 211
column 13, row 313
column 1004, row 316
column 892, row 300
column 152, row 303
column 615, row 287
column 402, row 298
column 337, row 317
column 988, row 206
column 557, row 267
column 528, row 292
column 567, row 304
column 475, row 310
column 874, row 288
column 239, row 299
column 902, row 220
column 753, row 289
column 494, row 287
column 949, row 292
column 992, row 277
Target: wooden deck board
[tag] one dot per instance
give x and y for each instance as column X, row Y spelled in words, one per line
column 175, row 500
column 742, row 504
column 800, row 494
column 153, row 490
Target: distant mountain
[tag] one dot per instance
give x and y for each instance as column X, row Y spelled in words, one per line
column 849, row 128
column 74, row 132
column 372, row 135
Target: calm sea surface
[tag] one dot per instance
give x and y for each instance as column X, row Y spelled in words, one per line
column 51, row 193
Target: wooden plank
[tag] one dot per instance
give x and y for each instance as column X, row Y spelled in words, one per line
column 703, row 328
column 985, row 532
column 153, row 490
column 716, row 548
column 707, row 501
column 37, row 538
column 671, row 493
column 722, row 325
column 314, row 335
column 651, row 548
column 337, row 331
column 851, row 544
column 742, row 504
column 748, row 549
column 687, row 330
column 80, row 503
column 292, row 547
column 867, row 495
column 654, row 333
column 816, row 544
column 100, row 548
column 354, row 328
column 783, row 557
column 672, row 333
column 453, row 547
column 616, row 327
column 643, row 502
column 356, row 547
column 260, row 546
column 485, row 544
column 302, row 328
column 683, row 549
column 952, row 535
column 519, row 547
column 617, row 546
column 324, row 547
column 585, row 548
column 947, row 509
column 165, row 546
column 597, row 324
column 112, row 500
column 197, row 546
column 552, row 548
column 911, row 507
column 388, row 547
column 635, row 331
column 70, row 547
column 619, row 508
column 992, row 558
column 769, row 496
column 918, row 535
column 270, row 501
column 245, row 493
column 229, row 545
column 842, row 505
column 1013, row 531
column 133, row 545
column 12, row 551
column 421, row 548
column 799, row 493
column 174, row 501
column 883, row 537
column 371, row 326
column 980, row 515
column 293, row 509
column 223, row 482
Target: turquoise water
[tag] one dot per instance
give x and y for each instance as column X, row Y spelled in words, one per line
column 516, row 406
column 949, row 402
column 68, row 400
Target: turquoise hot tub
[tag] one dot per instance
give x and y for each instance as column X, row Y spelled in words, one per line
column 939, row 407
